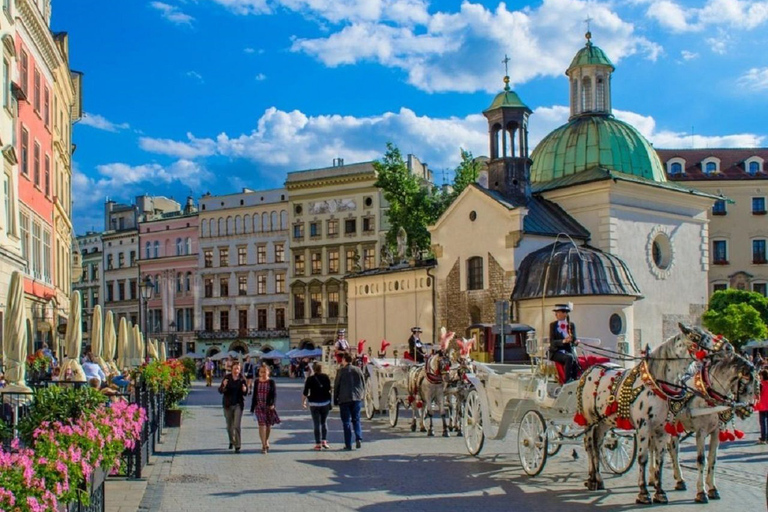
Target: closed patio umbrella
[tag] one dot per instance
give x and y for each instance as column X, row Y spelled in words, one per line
column 73, row 341
column 15, row 337
column 122, row 344
column 163, row 355
column 110, row 342
column 97, row 339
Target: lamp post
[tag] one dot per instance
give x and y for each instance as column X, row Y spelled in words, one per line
column 172, row 345
column 146, row 288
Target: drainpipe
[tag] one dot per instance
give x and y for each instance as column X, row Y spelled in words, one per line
column 434, row 306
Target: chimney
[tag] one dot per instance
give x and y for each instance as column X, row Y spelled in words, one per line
column 338, row 162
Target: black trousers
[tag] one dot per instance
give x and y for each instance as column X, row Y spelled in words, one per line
column 320, row 421
column 569, row 361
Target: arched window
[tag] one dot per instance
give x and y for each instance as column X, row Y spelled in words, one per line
column 179, row 247
column 179, row 283
column 188, row 246
column 495, row 141
column 157, row 249
column 247, row 224
column 754, row 167
column 586, row 94
column 575, row 95
column 256, row 223
column 475, row 273
column 711, row 167
column 188, row 282
column 214, row 227
column 265, row 222
column 148, row 250
column 204, row 228
column 600, row 94
column 275, row 224
column 676, row 168
column 238, row 225
column 283, row 220
column 222, row 226
column 230, row 226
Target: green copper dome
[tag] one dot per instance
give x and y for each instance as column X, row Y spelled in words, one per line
column 507, row 98
column 591, row 55
column 587, row 142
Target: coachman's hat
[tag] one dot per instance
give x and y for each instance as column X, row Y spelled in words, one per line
column 416, row 329
column 564, row 307
column 341, row 332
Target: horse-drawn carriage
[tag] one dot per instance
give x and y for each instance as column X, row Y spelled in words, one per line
column 531, row 397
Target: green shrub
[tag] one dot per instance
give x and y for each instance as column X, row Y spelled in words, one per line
column 58, row 403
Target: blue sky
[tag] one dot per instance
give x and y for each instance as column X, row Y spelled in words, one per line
column 192, row 96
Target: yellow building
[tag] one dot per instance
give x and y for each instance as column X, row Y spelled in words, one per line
column 738, row 226
column 67, row 109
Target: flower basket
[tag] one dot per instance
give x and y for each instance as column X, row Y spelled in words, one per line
column 173, row 418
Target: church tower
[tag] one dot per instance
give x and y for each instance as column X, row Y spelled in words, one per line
column 508, row 167
column 590, row 78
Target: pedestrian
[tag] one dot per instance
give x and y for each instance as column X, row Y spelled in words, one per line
column 317, row 394
column 233, row 388
column 93, row 370
column 762, row 407
column 263, row 406
column 249, row 369
column 208, row 372
column 348, row 393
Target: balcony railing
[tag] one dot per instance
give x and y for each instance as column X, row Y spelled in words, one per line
column 228, row 334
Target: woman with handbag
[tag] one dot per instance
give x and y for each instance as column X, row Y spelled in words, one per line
column 317, row 394
column 263, row 406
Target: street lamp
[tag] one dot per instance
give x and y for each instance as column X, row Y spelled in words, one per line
column 172, row 335
column 146, row 288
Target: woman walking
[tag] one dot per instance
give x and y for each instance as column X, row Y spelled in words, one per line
column 762, row 407
column 263, row 406
column 233, row 388
column 317, row 394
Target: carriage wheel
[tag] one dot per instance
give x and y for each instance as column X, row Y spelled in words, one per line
column 472, row 424
column 554, row 438
column 618, row 451
column 532, row 442
column 370, row 410
column 394, row 407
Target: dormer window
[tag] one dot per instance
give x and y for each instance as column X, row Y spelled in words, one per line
column 711, row 165
column 754, row 165
column 675, row 166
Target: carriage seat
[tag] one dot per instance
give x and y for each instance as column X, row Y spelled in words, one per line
column 585, row 362
column 407, row 355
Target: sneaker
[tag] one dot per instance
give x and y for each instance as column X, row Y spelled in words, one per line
column 237, row 450
column 347, row 448
column 326, row 446
column 318, row 448
column 358, row 444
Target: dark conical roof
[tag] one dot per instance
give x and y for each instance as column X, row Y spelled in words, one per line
column 573, row 272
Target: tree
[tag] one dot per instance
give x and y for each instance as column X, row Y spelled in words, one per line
column 466, row 173
column 738, row 322
column 412, row 206
column 723, row 298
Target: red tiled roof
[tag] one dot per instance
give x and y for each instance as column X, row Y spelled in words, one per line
column 731, row 163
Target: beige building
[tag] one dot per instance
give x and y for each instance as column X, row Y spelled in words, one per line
column 738, row 226
column 385, row 303
column 337, row 222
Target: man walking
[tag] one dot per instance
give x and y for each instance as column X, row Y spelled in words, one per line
column 348, row 393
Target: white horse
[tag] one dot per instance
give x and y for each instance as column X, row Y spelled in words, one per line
column 427, row 384
column 610, row 397
column 724, row 387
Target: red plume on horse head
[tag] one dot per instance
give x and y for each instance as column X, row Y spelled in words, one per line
column 465, row 345
column 445, row 338
column 360, row 346
column 384, row 345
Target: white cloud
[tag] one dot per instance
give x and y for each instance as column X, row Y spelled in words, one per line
column 195, row 76
column 192, row 148
column 755, row 79
column 688, row 55
column 736, row 14
column 337, row 11
column 246, row 6
column 252, row 51
column 102, row 123
column 261, row 77
column 293, row 140
column 172, row 13
column 461, row 51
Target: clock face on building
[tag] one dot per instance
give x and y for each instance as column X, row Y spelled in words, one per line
column 615, row 324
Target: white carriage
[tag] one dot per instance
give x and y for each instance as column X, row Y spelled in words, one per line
column 530, row 397
column 386, row 385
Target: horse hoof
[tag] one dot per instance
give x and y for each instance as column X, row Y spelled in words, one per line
column 413, row 428
column 459, row 434
column 681, row 486
column 701, row 498
column 423, row 430
column 660, row 498
column 643, row 499
column 445, row 433
column 713, row 494
column 430, row 434
column 600, row 486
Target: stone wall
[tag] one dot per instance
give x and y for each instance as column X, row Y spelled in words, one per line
column 455, row 306
column 669, row 322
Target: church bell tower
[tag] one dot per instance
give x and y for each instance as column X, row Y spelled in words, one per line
column 509, row 165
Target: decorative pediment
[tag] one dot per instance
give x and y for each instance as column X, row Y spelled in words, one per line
column 10, row 154
column 9, row 45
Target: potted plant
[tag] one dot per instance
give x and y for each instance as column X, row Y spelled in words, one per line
column 37, row 366
column 171, row 377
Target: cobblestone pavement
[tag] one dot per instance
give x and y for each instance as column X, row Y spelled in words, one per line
column 400, row 470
